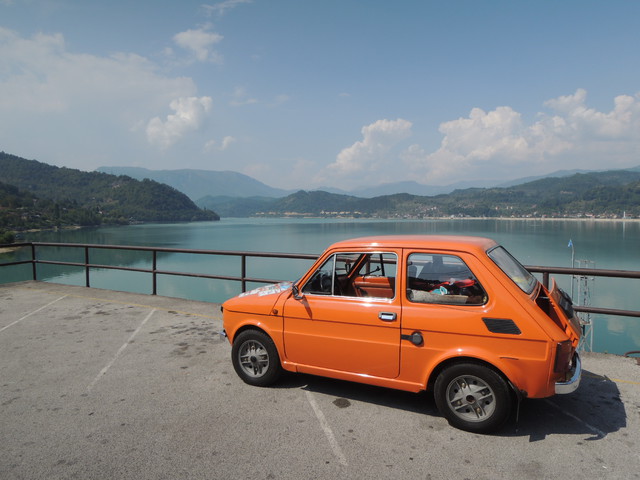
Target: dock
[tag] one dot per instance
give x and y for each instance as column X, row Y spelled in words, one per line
column 99, row 384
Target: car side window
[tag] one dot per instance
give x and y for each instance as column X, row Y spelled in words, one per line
column 361, row 274
column 375, row 277
column 442, row 279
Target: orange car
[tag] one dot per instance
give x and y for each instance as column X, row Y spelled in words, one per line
column 455, row 314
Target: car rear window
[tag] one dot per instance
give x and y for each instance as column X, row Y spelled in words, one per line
column 443, row 279
column 513, row 269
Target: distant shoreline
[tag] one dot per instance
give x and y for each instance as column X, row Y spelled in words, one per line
column 348, row 217
column 554, row 219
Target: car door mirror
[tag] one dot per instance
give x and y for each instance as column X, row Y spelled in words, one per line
column 296, row 293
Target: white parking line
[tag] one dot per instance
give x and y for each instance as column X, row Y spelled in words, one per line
column 120, row 350
column 32, row 313
column 333, row 443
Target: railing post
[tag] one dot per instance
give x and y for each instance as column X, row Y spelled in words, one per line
column 154, row 267
column 86, row 266
column 545, row 279
column 33, row 262
column 243, row 273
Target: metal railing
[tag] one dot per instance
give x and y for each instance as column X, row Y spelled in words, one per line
column 243, row 278
column 589, row 272
column 154, row 270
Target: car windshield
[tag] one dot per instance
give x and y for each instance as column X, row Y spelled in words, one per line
column 514, row 269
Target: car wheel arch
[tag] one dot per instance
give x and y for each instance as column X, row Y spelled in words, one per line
column 249, row 326
column 451, row 361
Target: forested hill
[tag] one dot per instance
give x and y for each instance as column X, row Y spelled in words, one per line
column 65, row 196
column 609, row 194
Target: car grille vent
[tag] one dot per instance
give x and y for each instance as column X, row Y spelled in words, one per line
column 501, row 325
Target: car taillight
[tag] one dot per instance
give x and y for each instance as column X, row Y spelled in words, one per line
column 563, row 357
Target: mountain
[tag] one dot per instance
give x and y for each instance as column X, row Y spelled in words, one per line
column 201, row 183
column 93, row 198
column 557, row 174
column 415, row 188
column 609, row 193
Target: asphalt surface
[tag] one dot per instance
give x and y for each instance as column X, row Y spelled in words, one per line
column 96, row 384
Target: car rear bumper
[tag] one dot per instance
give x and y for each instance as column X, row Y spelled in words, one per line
column 572, row 384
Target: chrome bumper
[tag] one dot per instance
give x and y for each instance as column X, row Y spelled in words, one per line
column 572, row 384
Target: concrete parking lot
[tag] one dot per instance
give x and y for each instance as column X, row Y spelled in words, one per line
column 96, row 384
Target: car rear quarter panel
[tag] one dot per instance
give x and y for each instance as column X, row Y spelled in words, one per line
column 524, row 363
column 458, row 333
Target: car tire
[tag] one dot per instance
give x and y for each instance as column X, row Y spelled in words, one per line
column 255, row 358
column 473, row 397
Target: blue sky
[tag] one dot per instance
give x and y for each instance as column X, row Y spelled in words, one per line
column 311, row 93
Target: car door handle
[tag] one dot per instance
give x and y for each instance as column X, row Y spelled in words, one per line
column 387, row 316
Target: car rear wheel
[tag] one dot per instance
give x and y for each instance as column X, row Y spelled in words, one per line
column 473, row 397
column 255, row 358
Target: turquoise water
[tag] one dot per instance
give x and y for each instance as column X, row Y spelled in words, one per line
column 609, row 244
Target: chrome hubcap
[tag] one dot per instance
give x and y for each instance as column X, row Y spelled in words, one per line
column 470, row 398
column 253, row 358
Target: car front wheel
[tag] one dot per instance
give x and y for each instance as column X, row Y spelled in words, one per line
column 255, row 358
column 473, row 397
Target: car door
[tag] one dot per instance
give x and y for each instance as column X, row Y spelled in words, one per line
column 348, row 316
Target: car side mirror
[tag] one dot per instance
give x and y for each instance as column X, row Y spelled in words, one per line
column 296, row 293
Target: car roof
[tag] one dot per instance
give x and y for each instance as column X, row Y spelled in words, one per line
column 439, row 242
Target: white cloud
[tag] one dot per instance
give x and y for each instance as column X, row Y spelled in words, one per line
column 371, row 158
column 200, row 42
column 227, row 142
column 577, row 121
column 224, row 145
column 29, row 69
column 240, row 97
column 485, row 144
column 39, row 75
column 377, row 140
column 221, row 8
column 209, row 146
column 53, row 94
column 190, row 112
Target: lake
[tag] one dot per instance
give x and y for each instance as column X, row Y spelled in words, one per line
column 608, row 244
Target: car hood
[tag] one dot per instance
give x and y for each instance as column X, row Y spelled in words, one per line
column 259, row 300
